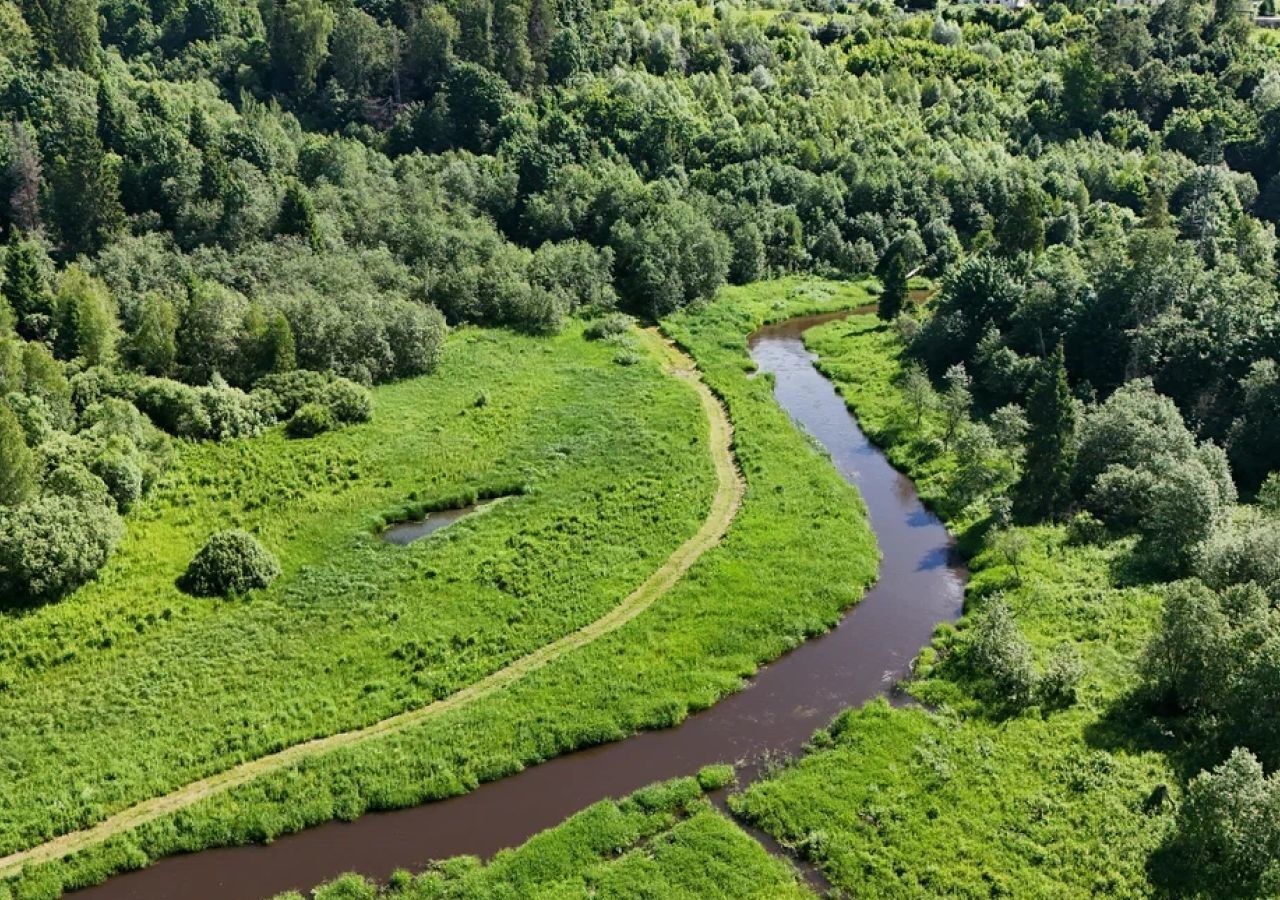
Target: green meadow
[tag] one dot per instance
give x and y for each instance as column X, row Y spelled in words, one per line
column 956, row 798
column 608, row 499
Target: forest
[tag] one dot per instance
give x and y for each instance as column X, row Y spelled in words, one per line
column 276, row 274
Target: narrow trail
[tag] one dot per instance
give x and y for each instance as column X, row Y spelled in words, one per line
column 730, row 489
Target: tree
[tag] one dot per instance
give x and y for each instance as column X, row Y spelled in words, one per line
column 894, row 297
column 361, row 53
column 430, row 46
column 52, row 545
column 511, row 41
column 1021, row 228
column 230, row 562
column 1227, row 839
column 300, row 32
column 1045, row 489
column 918, row 391
column 17, row 466
column 957, row 400
column 24, row 179
column 670, row 257
column 475, row 31
column 25, row 289
column 85, row 189
column 86, row 317
column 298, row 214
column 153, row 346
column 1000, row 652
column 75, row 32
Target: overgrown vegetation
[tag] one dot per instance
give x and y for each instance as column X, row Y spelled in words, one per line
column 1079, row 691
column 709, row 632
column 662, row 841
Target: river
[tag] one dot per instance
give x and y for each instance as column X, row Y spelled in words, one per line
column 921, row 584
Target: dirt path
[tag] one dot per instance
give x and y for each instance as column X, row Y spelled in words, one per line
column 728, row 497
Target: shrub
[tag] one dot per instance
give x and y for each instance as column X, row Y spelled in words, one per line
column 287, row 392
column 310, row 420
column 1240, row 553
column 75, row 481
column 230, row 562
column 348, row 401
column 1001, row 653
column 51, row 546
column 607, row 327
column 1057, row 686
column 122, row 475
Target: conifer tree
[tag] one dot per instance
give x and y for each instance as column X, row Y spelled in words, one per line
column 24, row 289
column 1046, row 480
column 894, row 298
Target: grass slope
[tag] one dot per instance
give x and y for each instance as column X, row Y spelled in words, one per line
column 706, row 635
column 963, row 801
column 663, row 841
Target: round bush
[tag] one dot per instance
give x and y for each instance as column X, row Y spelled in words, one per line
column 122, row 475
column 348, row 401
column 311, row 419
column 230, row 562
column 51, row 546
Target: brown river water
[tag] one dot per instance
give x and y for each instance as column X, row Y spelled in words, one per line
column 921, row 584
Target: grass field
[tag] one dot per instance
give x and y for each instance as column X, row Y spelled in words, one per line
column 959, row 799
column 664, row 841
column 712, row 630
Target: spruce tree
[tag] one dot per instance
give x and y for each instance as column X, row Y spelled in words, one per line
column 24, row 289
column 298, row 215
column 1043, row 492
column 894, row 298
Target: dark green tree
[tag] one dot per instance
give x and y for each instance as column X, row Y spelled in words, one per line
column 298, row 214
column 894, row 298
column 1045, row 488
column 300, row 32
column 75, row 34
column 1021, row 228
column 25, row 290
column 85, row 189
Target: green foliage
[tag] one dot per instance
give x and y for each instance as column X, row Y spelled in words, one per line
column 347, row 401
column 310, row 420
column 299, row 32
column 17, row 467
column 664, row 840
column 1228, row 838
column 1044, row 490
column 86, row 319
column 52, row 545
column 1001, row 654
column 894, row 297
column 230, row 563
column 608, row 327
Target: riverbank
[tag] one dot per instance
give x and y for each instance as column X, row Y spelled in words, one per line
column 709, row 633
column 966, row 798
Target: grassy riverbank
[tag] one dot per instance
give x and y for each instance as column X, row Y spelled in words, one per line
column 965, row 800
column 712, row 630
column 663, row 841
